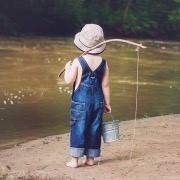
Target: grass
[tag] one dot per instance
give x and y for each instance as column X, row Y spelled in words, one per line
column 4, row 176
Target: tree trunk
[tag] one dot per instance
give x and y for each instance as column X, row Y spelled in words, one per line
column 127, row 9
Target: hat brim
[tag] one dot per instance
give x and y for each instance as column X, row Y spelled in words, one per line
column 84, row 48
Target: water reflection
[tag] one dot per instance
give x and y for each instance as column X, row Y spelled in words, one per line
column 34, row 102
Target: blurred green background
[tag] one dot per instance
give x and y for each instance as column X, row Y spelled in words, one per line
column 158, row 19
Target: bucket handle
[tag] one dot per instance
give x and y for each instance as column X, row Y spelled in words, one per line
column 112, row 117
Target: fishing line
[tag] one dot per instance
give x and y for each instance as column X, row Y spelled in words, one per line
column 136, row 109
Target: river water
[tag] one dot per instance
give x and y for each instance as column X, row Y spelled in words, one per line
column 34, row 102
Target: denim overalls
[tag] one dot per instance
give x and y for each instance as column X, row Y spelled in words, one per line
column 87, row 108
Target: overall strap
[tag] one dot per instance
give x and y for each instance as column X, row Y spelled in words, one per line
column 103, row 65
column 85, row 69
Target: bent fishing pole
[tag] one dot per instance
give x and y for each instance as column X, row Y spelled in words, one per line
column 107, row 41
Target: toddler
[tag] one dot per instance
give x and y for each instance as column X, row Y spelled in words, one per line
column 89, row 75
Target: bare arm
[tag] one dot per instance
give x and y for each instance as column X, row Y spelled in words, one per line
column 71, row 70
column 105, row 88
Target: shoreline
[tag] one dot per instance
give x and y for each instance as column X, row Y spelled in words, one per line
column 155, row 155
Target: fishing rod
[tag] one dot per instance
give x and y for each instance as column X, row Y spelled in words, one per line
column 107, row 41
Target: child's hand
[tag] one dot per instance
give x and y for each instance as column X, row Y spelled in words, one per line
column 107, row 109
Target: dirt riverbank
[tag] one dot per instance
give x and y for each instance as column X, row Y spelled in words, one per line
column 155, row 155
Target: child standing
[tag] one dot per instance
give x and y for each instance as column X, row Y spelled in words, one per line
column 89, row 75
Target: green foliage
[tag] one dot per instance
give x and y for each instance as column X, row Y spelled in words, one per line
column 146, row 115
column 174, row 16
column 3, row 177
column 132, row 18
column 41, row 17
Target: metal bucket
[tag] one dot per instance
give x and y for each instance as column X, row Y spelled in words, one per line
column 110, row 131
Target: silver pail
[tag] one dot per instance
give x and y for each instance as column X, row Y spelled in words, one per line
column 110, row 131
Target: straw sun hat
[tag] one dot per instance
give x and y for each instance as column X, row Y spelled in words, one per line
column 90, row 36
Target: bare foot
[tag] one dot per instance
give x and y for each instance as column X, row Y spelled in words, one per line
column 89, row 161
column 73, row 163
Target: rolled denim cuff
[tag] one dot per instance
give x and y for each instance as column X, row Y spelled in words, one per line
column 93, row 152
column 76, row 152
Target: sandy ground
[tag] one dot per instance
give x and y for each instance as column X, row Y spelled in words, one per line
column 155, row 155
